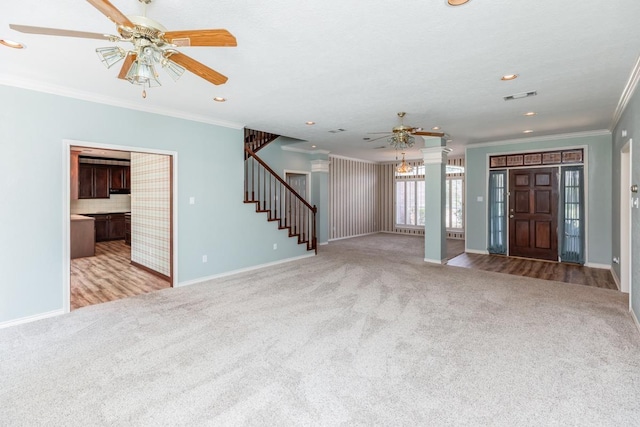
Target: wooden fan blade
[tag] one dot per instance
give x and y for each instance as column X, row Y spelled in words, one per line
column 58, row 32
column 198, row 69
column 428, row 134
column 111, row 12
column 380, row 137
column 128, row 60
column 200, row 38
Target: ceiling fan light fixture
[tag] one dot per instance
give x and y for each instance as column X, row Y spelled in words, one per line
column 142, row 74
column 110, row 55
column 401, row 140
column 174, row 70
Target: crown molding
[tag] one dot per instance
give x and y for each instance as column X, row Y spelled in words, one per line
column 556, row 137
column 627, row 94
column 303, row 150
column 336, row 156
column 7, row 80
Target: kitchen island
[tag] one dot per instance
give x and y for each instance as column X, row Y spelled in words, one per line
column 82, row 236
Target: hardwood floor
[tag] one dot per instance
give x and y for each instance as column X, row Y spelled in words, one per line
column 561, row 272
column 109, row 276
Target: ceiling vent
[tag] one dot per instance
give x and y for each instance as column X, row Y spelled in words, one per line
column 520, row 95
column 337, row 130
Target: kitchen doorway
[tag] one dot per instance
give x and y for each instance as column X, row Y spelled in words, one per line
column 143, row 258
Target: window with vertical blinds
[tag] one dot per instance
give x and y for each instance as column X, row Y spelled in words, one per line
column 410, row 202
column 572, row 215
column 497, row 243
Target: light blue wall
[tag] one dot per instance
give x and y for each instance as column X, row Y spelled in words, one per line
column 629, row 121
column 599, row 191
column 33, row 126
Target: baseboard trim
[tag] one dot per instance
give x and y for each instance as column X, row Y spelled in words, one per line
column 615, row 278
column 30, row 319
column 596, row 265
column 435, row 261
column 152, row 271
column 351, row 237
column 242, row 270
column 476, row 251
column 635, row 319
column 323, row 243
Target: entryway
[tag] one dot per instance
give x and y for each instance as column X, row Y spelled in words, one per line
column 533, row 213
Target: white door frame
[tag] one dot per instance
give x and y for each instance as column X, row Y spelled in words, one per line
column 625, row 218
column 66, row 208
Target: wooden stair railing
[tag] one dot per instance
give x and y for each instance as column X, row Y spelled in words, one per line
column 257, row 139
column 283, row 204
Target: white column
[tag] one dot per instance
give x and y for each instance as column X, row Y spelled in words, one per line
column 435, row 164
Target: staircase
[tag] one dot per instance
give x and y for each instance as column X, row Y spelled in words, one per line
column 273, row 196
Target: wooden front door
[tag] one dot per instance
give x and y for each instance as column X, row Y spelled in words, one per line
column 533, row 213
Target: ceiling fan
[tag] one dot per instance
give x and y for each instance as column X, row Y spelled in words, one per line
column 152, row 44
column 402, row 137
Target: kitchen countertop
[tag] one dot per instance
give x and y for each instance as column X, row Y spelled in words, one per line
column 103, row 213
column 76, row 217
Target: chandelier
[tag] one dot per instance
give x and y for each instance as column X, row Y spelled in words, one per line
column 401, row 140
column 404, row 167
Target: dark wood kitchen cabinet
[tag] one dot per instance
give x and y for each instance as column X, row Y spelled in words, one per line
column 93, row 181
column 102, row 227
column 120, row 178
column 127, row 229
column 109, row 226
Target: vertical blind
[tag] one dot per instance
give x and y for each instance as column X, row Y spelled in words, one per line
column 497, row 212
column 572, row 215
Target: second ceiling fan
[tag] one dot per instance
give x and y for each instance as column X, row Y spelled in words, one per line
column 402, row 136
column 152, row 43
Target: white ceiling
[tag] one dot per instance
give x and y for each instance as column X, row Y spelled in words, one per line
column 353, row 65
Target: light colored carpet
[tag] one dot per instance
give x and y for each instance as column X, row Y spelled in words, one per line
column 365, row 333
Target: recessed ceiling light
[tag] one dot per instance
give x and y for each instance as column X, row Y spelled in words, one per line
column 527, row 131
column 313, row 146
column 435, row 128
column 11, row 43
column 530, row 113
column 310, row 123
column 456, row 2
column 219, row 99
column 509, row 77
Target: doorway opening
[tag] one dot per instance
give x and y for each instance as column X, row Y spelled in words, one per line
column 300, row 182
column 625, row 218
column 132, row 229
